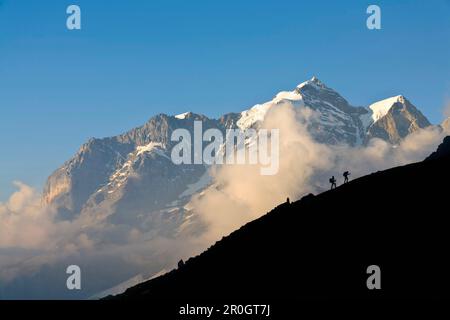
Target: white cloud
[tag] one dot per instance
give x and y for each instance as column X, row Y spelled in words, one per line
column 25, row 224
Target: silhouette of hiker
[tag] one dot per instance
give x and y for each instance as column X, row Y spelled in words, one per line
column 346, row 175
column 180, row 264
column 288, row 201
column 333, row 182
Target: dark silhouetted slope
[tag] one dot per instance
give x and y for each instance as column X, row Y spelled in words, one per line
column 443, row 151
column 321, row 246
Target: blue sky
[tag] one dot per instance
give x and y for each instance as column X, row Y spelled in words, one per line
column 134, row 59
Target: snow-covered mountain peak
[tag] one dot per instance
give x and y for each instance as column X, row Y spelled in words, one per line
column 148, row 148
column 393, row 119
column 255, row 114
column 307, row 93
column 381, row 108
column 338, row 121
column 314, row 82
column 183, row 115
column 190, row 115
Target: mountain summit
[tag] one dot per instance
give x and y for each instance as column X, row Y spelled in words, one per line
column 395, row 118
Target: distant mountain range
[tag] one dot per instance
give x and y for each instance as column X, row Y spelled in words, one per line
column 130, row 179
column 321, row 246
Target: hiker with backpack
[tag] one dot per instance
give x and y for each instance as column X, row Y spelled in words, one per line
column 333, row 182
column 346, row 175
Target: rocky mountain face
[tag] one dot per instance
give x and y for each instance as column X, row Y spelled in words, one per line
column 338, row 122
column 394, row 119
column 130, row 179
